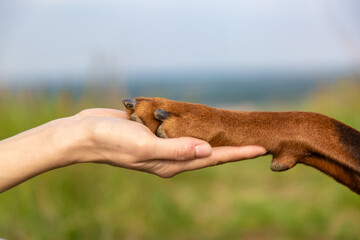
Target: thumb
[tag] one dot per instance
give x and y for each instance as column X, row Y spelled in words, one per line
column 179, row 149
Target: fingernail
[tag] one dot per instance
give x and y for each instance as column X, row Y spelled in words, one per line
column 203, row 150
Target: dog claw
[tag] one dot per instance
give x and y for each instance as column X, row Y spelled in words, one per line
column 129, row 103
column 161, row 114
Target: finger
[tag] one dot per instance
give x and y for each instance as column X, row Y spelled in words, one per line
column 220, row 155
column 103, row 112
column 180, row 149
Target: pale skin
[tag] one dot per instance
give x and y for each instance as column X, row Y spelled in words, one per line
column 107, row 136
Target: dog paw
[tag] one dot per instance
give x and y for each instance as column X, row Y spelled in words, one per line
column 169, row 119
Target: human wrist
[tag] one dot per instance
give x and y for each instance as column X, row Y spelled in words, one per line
column 55, row 141
column 73, row 138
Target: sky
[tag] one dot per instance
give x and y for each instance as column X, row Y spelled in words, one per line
column 74, row 37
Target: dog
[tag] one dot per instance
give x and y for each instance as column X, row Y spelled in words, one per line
column 292, row 137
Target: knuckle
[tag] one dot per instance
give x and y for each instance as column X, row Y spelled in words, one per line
column 143, row 147
column 82, row 114
column 184, row 152
column 142, row 143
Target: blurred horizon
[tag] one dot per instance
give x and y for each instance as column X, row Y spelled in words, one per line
column 218, row 89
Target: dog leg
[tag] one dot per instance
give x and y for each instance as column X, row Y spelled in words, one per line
column 291, row 137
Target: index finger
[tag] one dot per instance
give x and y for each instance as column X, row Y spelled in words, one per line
column 103, row 112
column 220, row 155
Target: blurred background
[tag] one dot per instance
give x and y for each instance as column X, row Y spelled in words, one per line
column 59, row 57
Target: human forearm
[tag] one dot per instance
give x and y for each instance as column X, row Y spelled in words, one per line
column 35, row 151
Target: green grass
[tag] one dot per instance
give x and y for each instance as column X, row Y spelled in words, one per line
column 242, row 200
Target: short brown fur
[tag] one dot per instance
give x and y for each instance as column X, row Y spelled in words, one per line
column 291, row 137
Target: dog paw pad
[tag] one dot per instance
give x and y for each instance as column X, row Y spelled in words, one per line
column 135, row 118
column 160, row 132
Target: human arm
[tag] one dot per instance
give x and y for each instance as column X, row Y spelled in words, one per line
column 106, row 136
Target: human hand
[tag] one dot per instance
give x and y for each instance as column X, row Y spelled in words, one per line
column 117, row 141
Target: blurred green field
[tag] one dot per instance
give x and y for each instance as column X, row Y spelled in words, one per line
column 242, row 200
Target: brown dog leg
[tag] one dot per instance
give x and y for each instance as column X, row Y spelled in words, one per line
column 291, row 137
